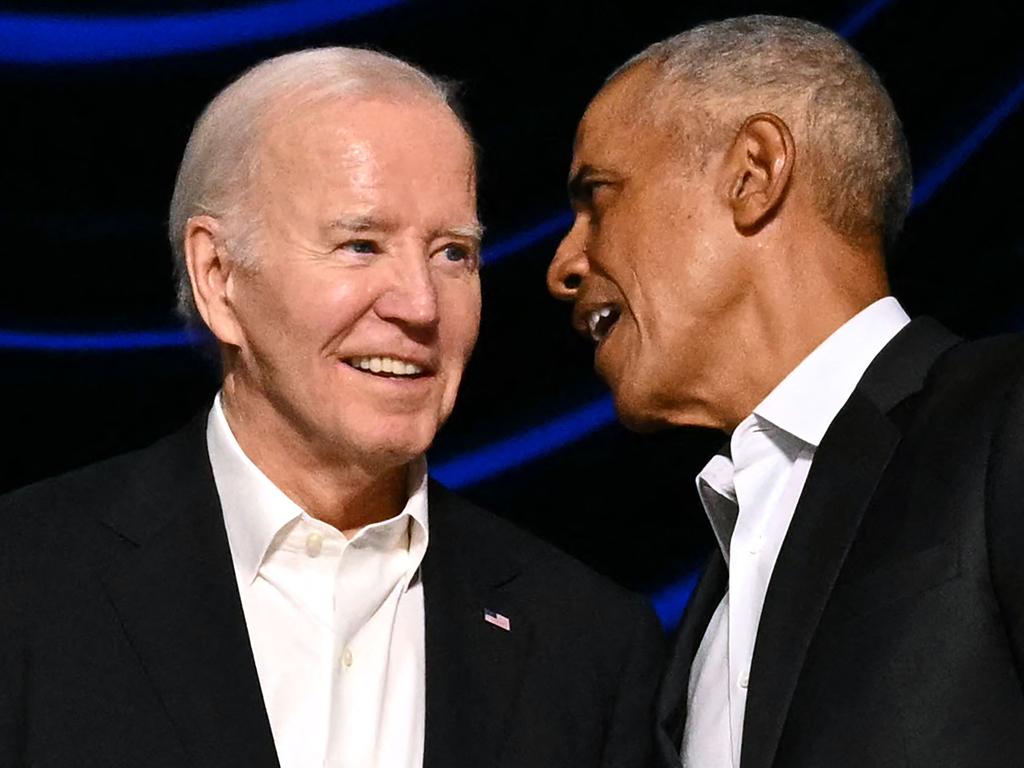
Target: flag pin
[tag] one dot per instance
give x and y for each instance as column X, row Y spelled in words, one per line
column 497, row 620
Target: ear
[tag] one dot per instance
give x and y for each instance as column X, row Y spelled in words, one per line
column 759, row 164
column 209, row 270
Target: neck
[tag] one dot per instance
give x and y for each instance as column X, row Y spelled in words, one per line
column 801, row 301
column 340, row 491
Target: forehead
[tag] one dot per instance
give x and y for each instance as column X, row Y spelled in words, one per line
column 618, row 128
column 333, row 138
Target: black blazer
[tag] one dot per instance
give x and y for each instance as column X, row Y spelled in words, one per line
column 893, row 627
column 123, row 643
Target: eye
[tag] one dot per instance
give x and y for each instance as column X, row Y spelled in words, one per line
column 455, row 252
column 458, row 253
column 588, row 195
column 363, row 247
column 594, row 191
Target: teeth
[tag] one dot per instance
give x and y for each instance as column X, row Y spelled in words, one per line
column 390, row 365
column 598, row 330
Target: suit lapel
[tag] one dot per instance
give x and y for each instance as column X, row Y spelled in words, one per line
column 473, row 667
column 847, row 468
column 671, row 704
column 173, row 585
column 840, row 485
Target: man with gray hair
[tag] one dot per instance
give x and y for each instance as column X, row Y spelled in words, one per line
column 736, row 188
column 279, row 583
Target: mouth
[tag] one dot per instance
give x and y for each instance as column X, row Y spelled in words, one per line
column 601, row 320
column 387, row 367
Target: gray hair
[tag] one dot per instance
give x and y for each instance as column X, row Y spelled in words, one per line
column 221, row 158
column 857, row 159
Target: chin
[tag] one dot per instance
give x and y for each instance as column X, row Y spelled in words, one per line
column 373, row 446
column 393, row 449
column 635, row 417
column 381, row 456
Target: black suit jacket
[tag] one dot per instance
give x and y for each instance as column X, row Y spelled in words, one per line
column 123, row 643
column 893, row 627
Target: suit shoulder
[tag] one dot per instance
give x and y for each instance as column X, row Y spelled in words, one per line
column 999, row 356
column 100, row 478
column 80, row 494
column 976, row 377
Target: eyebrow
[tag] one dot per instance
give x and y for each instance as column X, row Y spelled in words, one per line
column 473, row 231
column 470, row 232
column 363, row 224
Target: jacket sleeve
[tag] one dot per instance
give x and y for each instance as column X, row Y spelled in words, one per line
column 1004, row 505
column 630, row 735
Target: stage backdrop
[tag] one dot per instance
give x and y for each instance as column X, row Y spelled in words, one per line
column 99, row 98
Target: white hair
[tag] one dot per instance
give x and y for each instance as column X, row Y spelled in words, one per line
column 857, row 159
column 221, row 157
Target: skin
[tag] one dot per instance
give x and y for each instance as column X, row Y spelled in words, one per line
column 725, row 275
column 367, row 245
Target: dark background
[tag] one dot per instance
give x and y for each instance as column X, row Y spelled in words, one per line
column 91, row 148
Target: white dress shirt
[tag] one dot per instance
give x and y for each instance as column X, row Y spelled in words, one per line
column 749, row 496
column 336, row 625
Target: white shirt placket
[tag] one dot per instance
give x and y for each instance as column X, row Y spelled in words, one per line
column 368, row 581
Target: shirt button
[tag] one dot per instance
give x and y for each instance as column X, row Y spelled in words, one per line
column 346, row 658
column 314, row 543
column 744, row 680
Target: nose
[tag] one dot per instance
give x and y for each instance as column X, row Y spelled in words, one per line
column 570, row 264
column 411, row 299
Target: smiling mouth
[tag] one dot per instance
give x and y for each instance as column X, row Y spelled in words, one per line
column 600, row 321
column 387, row 367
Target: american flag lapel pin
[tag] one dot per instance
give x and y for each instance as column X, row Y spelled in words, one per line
column 501, row 622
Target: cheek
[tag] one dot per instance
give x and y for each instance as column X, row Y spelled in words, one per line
column 460, row 321
column 666, row 306
column 324, row 304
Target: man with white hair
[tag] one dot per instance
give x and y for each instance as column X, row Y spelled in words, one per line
column 736, row 188
column 279, row 583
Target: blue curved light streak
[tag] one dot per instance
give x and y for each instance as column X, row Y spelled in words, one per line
column 932, row 181
column 60, row 39
column 514, row 451
column 670, row 601
column 34, row 341
column 41, row 39
column 861, row 18
column 549, row 228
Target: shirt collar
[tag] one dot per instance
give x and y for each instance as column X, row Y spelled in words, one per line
column 416, row 511
column 718, row 496
column 256, row 511
column 808, row 399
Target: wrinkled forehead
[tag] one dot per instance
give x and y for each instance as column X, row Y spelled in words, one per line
column 640, row 116
column 616, row 109
column 408, row 164
column 352, row 128
column 620, row 125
